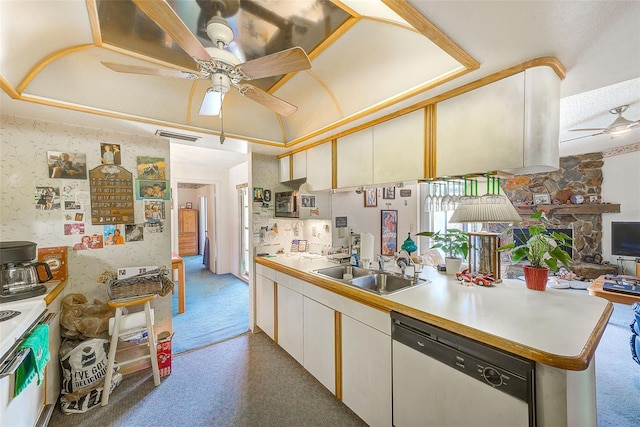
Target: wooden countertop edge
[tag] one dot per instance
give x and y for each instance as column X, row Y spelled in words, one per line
column 54, row 292
column 573, row 363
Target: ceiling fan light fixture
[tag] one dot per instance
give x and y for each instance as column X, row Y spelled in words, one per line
column 219, row 31
column 211, row 103
column 220, row 82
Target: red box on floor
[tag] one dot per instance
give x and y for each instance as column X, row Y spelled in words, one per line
column 163, row 345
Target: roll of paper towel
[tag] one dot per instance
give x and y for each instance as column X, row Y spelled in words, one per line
column 366, row 247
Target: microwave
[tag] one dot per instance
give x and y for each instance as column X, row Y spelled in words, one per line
column 286, row 204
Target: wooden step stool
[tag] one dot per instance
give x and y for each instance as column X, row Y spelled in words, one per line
column 117, row 333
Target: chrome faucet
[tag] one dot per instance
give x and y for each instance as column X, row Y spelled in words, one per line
column 380, row 260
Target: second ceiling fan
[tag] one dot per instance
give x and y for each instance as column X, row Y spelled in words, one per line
column 222, row 67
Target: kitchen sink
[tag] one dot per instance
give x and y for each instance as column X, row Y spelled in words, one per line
column 385, row 283
column 378, row 282
column 339, row 271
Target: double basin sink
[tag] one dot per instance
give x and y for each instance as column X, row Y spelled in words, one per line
column 378, row 282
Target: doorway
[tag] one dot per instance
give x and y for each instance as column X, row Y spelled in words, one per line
column 216, row 304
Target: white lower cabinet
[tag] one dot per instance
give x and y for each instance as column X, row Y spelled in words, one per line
column 366, row 372
column 265, row 305
column 290, row 321
column 320, row 343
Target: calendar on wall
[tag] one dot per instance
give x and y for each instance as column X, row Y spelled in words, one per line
column 112, row 195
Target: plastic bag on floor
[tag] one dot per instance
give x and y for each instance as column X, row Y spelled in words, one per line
column 83, row 319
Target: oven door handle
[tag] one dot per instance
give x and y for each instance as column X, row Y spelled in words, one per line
column 15, row 362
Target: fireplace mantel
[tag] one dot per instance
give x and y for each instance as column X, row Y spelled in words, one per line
column 583, row 209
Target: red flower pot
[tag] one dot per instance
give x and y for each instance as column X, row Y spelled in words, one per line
column 536, row 278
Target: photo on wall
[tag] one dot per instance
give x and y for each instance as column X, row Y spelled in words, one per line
column 47, row 198
column 110, row 154
column 134, row 232
column 67, row 165
column 113, row 234
column 152, row 189
column 151, row 167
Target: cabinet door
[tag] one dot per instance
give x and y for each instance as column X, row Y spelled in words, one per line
column 299, row 165
column 398, row 149
column 320, row 343
column 265, row 305
column 482, row 130
column 284, row 170
column 290, row 320
column 319, row 170
column 188, row 221
column 355, row 159
column 366, row 372
column 52, row 373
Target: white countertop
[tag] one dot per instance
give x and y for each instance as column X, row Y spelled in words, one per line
column 559, row 327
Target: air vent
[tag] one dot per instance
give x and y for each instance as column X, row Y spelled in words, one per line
column 173, row 135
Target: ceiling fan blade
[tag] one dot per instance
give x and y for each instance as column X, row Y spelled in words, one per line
column 580, row 137
column 586, row 129
column 286, row 61
column 138, row 69
column 274, row 103
column 162, row 14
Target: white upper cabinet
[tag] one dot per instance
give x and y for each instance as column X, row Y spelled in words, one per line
column 284, row 170
column 319, row 167
column 355, row 159
column 509, row 125
column 299, row 165
column 398, row 149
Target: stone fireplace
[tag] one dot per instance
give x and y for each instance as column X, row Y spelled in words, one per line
column 581, row 175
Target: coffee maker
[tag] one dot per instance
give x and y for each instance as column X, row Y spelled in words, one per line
column 20, row 276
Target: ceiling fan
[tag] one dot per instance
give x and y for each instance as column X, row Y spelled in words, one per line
column 618, row 127
column 215, row 63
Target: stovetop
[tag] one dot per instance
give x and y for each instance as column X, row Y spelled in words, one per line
column 12, row 329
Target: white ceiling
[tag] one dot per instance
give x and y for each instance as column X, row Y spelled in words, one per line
column 598, row 42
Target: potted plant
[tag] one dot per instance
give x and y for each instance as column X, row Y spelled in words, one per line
column 455, row 245
column 543, row 250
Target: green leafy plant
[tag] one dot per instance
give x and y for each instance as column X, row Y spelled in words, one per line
column 453, row 242
column 542, row 249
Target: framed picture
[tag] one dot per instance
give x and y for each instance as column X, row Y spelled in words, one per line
column 302, row 245
column 189, row 205
column 593, row 199
column 308, row 200
column 266, row 195
column 541, row 198
column 405, row 192
column 389, row 193
column 370, row 197
column 67, row 165
column 152, row 189
column 258, row 194
column 389, row 231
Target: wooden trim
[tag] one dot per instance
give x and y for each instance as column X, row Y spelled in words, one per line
column 582, row 209
column 94, row 21
column 8, row 89
column 51, row 296
column 337, row 321
column 48, row 60
column 578, row 362
column 291, row 167
column 334, row 163
column 433, row 33
column 275, row 312
column 430, row 113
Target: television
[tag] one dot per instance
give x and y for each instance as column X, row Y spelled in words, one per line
column 625, row 239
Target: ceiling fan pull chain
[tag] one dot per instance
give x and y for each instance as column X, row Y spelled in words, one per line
column 222, row 138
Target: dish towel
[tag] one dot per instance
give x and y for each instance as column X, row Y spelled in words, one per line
column 33, row 365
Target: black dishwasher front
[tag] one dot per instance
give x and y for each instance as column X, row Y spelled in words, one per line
column 430, row 365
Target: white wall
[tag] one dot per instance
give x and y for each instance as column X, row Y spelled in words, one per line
column 237, row 175
column 23, row 161
column 621, row 184
column 361, row 219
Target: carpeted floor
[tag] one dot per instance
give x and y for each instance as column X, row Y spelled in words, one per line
column 245, row 381
column 617, row 375
column 217, row 308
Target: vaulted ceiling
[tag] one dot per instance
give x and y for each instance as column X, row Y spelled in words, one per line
column 368, row 59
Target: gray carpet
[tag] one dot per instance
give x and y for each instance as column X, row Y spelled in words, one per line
column 617, row 374
column 245, row 381
column 217, row 308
